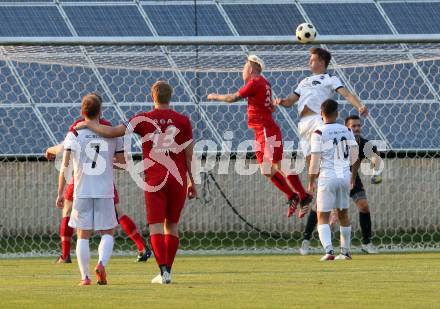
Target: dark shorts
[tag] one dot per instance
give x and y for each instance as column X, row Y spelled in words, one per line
column 358, row 192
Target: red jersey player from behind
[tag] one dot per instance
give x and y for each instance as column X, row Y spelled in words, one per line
column 66, row 232
column 167, row 150
column 268, row 137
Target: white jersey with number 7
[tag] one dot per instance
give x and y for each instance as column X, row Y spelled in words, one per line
column 92, row 157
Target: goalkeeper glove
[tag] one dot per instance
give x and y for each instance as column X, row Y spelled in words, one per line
column 376, row 179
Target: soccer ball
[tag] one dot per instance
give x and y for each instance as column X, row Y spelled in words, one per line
column 305, row 33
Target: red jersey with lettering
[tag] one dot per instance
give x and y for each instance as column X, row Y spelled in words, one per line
column 165, row 135
column 258, row 91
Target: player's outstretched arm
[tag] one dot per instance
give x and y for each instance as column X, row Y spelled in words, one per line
column 228, row 98
column 315, row 162
column 119, row 161
column 192, row 192
column 354, row 100
column 53, row 151
column 61, row 178
column 287, row 102
column 102, row 130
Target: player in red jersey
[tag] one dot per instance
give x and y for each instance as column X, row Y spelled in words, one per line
column 66, row 232
column 167, row 150
column 269, row 146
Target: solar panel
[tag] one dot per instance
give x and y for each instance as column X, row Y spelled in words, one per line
column 264, row 19
column 32, row 21
column 388, row 82
column 409, row 125
column 60, row 118
column 346, row 18
column 10, row 91
column 414, row 17
column 181, row 20
column 107, row 20
column 54, row 83
column 134, row 85
column 21, row 132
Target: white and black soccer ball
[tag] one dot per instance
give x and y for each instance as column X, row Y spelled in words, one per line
column 305, row 33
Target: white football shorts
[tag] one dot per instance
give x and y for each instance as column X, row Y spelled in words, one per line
column 306, row 126
column 333, row 194
column 93, row 214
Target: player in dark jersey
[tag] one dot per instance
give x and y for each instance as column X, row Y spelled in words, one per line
column 357, row 192
column 268, row 139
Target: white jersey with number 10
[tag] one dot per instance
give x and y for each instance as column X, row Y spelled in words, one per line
column 333, row 141
column 92, row 157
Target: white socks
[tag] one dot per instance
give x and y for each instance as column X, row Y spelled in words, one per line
column 325, row 236
column 345, row 239
column 105, row 248
column 83, row 257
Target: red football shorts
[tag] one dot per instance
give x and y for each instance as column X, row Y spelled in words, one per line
column 269, row 144
column 68, row 193
column 166, row 203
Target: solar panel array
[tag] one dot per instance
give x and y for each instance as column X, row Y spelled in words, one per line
column 39, row 98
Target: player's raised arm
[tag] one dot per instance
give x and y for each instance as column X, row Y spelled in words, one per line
column 228, row 98
column 287, row 102
column 354, row 100
column 102, row 130
column 53, row 151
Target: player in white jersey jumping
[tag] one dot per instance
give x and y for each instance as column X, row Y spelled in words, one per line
column 93, row 207
column 308, row 96
column 333, row 151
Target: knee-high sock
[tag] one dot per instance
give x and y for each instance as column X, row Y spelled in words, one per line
column 365, row 223
column 312, row 220
column 325, row 236
column 345, row 239
column 131, row 230
column 158, row 246
column 172, row 244
column 297, row 186
column 105, row 248
column 66, row 233
column 83, row 257
column 280, row 182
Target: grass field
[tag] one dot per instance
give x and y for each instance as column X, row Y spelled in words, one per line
column 256, row 281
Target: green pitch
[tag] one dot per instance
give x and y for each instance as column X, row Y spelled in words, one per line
column 259, row 281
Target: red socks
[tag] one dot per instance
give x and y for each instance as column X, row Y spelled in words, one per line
column 171, row 244
column 297, row 186
column 130, row 229
column 280, row 182
column 66, row 233
column 159, row 249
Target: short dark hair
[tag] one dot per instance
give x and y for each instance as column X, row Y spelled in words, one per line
column 329, row 107
column 161, row 91
column 322, row 54
column 91, row 105
column 351, row 117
